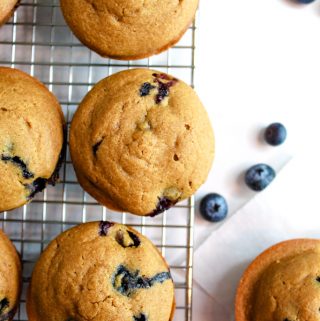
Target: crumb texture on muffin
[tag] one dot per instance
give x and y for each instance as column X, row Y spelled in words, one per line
column 31, row 137
column 129, row 29
column 101, row 272
column 10, row 278
column 141, row 141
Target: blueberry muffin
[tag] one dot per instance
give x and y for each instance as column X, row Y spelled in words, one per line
column 10, row 279
column 31, row 137
column 7, row 8
column 141, row 141
column 282, row 284
column 129, row 29
column 101, row 271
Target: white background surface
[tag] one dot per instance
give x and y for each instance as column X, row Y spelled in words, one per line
column 257, row 62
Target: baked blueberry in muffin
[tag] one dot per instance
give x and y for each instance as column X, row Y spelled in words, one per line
column 141, row 141
column 31, row 138
column 85, row 274
column 10, row 279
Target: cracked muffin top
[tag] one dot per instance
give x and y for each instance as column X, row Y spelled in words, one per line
column 6, row 9
column 129, row 29
column 141, row 141
column 10, row 278
column 31, row 137
column 101, row 271
column 282, row 284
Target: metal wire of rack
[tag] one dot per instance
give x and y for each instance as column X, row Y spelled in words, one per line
column 38, row 41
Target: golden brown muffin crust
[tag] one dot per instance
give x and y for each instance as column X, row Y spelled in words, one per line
column 140, row 141
column 129, row 29
column 31, row 136
column 10, row 278
column 282, row 284
column 85, row 272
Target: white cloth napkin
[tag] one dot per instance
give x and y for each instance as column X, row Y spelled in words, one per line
column 288, row 208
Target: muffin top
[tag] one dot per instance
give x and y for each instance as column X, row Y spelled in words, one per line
column 31, row 137
column 10, row 278
column 101, row 271
column 141, row 141
column 6, row 9
column 129, row 29
column 282, row 284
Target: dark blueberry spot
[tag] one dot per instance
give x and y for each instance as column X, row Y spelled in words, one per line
column 16, row 160
column 127, row 282
column 163, row 87
column 318, row 279
column 104, row 227
column 17, row 4
column 96, row 146
column 259, row 176
column 163, row 205
column 40, row 183
column 214, row 207
column 36, row 187
column 55, row 176
column 145, row 89
column 286, row 319
column 305, row 1
column 120, row 238
column 160, row 278
column 4, row 303
column 141, row 317
column 135, row 239
column 163, row 91
column 275, row 134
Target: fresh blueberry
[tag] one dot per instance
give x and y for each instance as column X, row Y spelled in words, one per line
column 305, row 1
column 275, row 134
column 214, row 207
column 259, row 176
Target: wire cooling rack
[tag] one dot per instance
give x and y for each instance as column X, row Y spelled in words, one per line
column 37, row 41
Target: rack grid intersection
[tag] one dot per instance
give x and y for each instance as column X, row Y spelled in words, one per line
column 37, row 41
